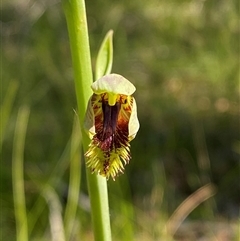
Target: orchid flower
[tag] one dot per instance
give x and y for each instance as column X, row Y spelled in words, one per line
column 111, row 121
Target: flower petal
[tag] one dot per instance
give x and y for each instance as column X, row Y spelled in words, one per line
column 111, row 121
column 109, row 149
column 113, row 83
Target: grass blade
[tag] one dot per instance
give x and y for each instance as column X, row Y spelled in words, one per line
column 74, row 182
column 188, row 205
column 55, row 214
column 6, row 107
column 18, row 174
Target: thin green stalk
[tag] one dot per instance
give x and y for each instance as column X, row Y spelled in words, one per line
column 75, row 13
column 17, row 175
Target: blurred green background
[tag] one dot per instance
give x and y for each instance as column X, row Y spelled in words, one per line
column 183, row 58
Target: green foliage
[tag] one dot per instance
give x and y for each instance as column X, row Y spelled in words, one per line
column 183, row 58
column 105, row 56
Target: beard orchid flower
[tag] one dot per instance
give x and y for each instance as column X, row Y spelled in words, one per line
column 111, row 121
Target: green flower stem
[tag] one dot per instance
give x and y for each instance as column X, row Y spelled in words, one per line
column 78, row 35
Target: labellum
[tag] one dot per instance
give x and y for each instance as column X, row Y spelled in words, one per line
column 111, row 121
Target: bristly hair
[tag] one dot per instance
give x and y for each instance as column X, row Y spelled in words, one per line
column 109, row 149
